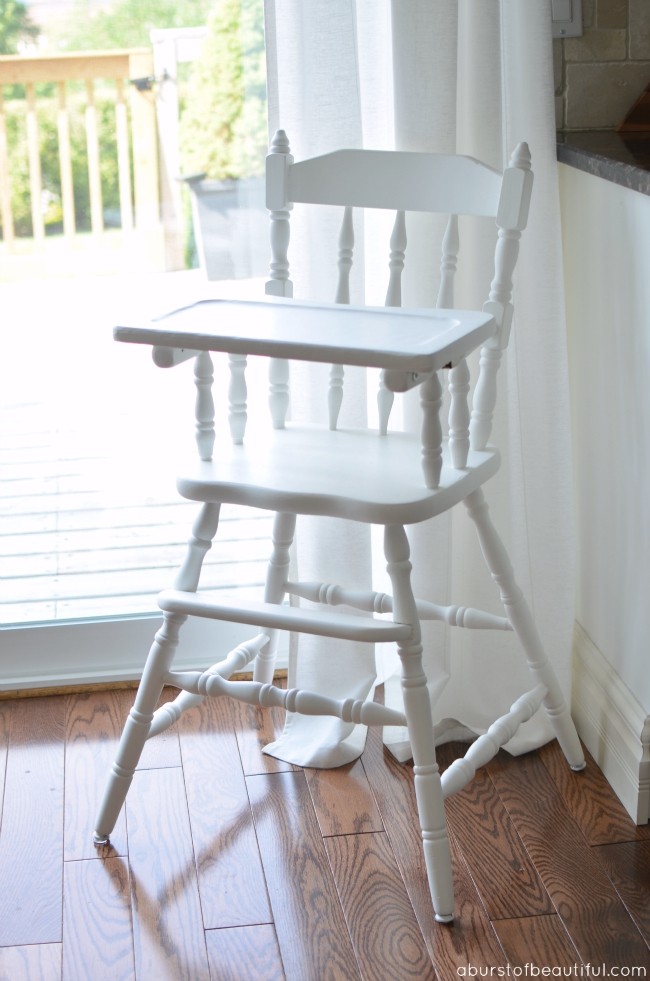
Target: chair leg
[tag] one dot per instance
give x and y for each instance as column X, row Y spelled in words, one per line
column 524, row 626
column 136, row 729
column 277, row 574
column 159, row 661
column 417, row 707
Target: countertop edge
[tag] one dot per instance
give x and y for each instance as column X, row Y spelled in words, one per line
column 625, row 162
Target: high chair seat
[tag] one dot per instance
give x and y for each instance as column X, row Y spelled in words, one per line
column 349, row 473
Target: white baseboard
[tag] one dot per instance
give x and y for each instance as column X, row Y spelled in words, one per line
column 613, row 726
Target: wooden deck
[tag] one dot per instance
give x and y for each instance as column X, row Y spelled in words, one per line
column 88, row 527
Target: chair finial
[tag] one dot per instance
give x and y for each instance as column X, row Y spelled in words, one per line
column 280, row 142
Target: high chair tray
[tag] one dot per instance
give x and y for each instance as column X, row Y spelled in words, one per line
column 420, row 340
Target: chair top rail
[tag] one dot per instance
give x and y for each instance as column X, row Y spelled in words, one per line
column 402, row 181
column 419, row 340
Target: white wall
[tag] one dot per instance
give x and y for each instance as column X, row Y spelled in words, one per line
column 606, row 237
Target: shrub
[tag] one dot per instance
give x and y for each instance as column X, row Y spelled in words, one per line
column 223, row 128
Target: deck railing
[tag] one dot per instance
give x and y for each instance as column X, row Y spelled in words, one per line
column 124, row 78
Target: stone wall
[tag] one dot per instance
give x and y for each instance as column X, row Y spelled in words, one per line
column 599, row 76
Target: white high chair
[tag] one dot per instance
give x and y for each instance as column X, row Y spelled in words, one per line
column 388, row 478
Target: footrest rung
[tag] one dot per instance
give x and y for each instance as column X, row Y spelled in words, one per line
column 209, row 683
column 270, row 615
column 462, row 770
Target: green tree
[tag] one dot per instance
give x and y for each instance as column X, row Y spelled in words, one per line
column 15, row 26
column 125, row 24
column 223, row 119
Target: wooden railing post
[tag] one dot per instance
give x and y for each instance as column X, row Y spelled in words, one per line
column 6, row 213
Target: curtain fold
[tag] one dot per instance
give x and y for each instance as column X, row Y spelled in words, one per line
column 476, row 77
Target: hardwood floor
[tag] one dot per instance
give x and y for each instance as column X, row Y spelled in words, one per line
column 229, row 864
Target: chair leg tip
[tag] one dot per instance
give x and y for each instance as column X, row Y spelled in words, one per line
column 444, row 917
column 99, row 840
column 577, row 767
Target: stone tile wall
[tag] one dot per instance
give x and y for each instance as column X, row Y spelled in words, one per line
column 599, row 76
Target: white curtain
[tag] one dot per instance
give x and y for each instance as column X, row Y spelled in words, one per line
column 476, row 77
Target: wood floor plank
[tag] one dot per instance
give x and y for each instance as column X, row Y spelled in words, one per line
column 31, row 838
column 5, row 716
column 380, row 918
column 541, row 941
column 35, row 962
column 628, row 866
column 245, row 952
column 343, row 800
column 231, row 880
column 587, row 795
column 94, row 722
column 592, row 912
column 501, row 868
column 471, row 938
column 255, row 727
column 314, row 942
column 168, row 932
column 97, row 932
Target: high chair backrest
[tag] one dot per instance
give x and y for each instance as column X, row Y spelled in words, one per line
column 451, row 185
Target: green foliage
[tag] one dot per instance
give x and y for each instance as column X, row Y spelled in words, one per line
column 223, row 117
column 15, row 26
column 125, row 24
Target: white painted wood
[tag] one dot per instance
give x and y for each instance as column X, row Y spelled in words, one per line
column 279, row 283
column 237, row 660
column 373, row 480
column 346, row 257
column 278, row 203
column 524, row 626
column 237, row 398
column 398, row 243
column 430, row 401
column 335, row 394
column 272, row 615
column 420, row 340
column 284, row 527
column 391, row 479
column 373, row 602
column 511, row 219
column 204, row 406
column 606, row 250
column 199, row 543
column 459, row 414
column 399, row 181
column 136, row 730
column 448, row 263
column 279, row 391
column 613, row 724
column 417, row 706
column 485, row 748
column 211, row 683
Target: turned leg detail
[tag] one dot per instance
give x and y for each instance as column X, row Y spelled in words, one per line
column 136, row 729
column 524, row 626
column 417, row 708
column 277, row 575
